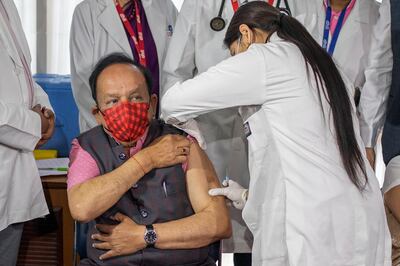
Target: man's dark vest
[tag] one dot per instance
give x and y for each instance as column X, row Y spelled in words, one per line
column 160, row 196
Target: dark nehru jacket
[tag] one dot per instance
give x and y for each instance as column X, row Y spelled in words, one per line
column 160, row 196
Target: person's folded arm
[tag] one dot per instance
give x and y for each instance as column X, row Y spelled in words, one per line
column 20, row 128
column 91, row 198
column 211, row 221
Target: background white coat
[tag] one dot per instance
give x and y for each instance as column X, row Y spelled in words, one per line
column 373, row 102
column 354, row 43
column 21, row 193
column 97, row 31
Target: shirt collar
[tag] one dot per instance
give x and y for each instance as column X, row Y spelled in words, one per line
column 349, row 7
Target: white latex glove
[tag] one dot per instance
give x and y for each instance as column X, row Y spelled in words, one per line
column 233, row 191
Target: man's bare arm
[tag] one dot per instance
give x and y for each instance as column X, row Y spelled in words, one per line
column 211, row 221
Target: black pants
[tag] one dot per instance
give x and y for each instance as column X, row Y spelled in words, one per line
column 242, row 259
column 10, row 239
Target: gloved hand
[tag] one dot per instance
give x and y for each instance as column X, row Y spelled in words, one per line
column 233, row 191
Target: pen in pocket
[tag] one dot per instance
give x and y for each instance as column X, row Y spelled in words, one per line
column 165, row 189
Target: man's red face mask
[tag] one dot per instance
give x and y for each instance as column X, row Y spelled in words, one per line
column 127, row 121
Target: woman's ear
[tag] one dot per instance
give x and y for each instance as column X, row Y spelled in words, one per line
column 247, row 35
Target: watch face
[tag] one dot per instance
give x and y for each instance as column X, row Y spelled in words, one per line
column 217, row 24
column 150, row 237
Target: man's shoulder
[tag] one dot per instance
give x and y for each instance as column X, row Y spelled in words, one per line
column 166, row 129
column 92, row 135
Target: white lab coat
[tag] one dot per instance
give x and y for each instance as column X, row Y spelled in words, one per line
column 302, row 207
column 21, row 192
column 194, row 48
column 97, row 31
column 375, row 93
column 354, row 42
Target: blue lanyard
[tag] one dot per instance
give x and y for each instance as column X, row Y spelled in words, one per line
column 327, row 28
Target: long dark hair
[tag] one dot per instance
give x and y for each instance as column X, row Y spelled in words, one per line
column 260, row 15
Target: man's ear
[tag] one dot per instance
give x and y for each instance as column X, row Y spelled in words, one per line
column 153, row 106
column 96, row 113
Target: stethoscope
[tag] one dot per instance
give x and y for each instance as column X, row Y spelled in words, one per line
column 218, row 23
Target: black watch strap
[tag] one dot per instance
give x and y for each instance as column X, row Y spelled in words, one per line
column 150, row 237
column 149, row 227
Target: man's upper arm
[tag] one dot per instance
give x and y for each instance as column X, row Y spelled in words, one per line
column 82, row 166
column 201, row 177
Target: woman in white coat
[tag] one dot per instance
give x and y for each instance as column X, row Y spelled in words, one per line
column 312, row 200
column 195, row 47
column 101, row 27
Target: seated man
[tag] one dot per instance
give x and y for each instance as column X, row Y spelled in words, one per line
column 144, row 183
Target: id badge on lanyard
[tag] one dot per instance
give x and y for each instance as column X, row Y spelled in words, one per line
column 138, row 40
column 327, row 27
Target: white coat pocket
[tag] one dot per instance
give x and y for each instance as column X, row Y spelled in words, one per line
column 271, row 230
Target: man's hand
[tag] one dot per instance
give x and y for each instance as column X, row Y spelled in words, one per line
column 163, row 152
column 123, row 239
column 371, row 156
column 233, row 191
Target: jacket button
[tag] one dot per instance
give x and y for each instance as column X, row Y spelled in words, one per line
column 144, row 213
column 122, row 156
column 135, row 186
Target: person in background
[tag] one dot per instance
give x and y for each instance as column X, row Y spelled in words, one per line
column 26, row 121
column 379, row 106
column 348, row 40
column 140, row 28
column 196, row 46
column 144, row 183
column 312, row 199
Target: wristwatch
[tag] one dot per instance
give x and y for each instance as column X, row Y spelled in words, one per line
column 150, row 236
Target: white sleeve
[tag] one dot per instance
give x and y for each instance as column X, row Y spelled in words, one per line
column 180, row 59
column 82, row 50
column 237, row 81
column 41, row 97
column 20, row 128
column 378, row 74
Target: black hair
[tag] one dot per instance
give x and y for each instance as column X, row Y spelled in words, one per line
column 113, row 59
column 260, row 15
